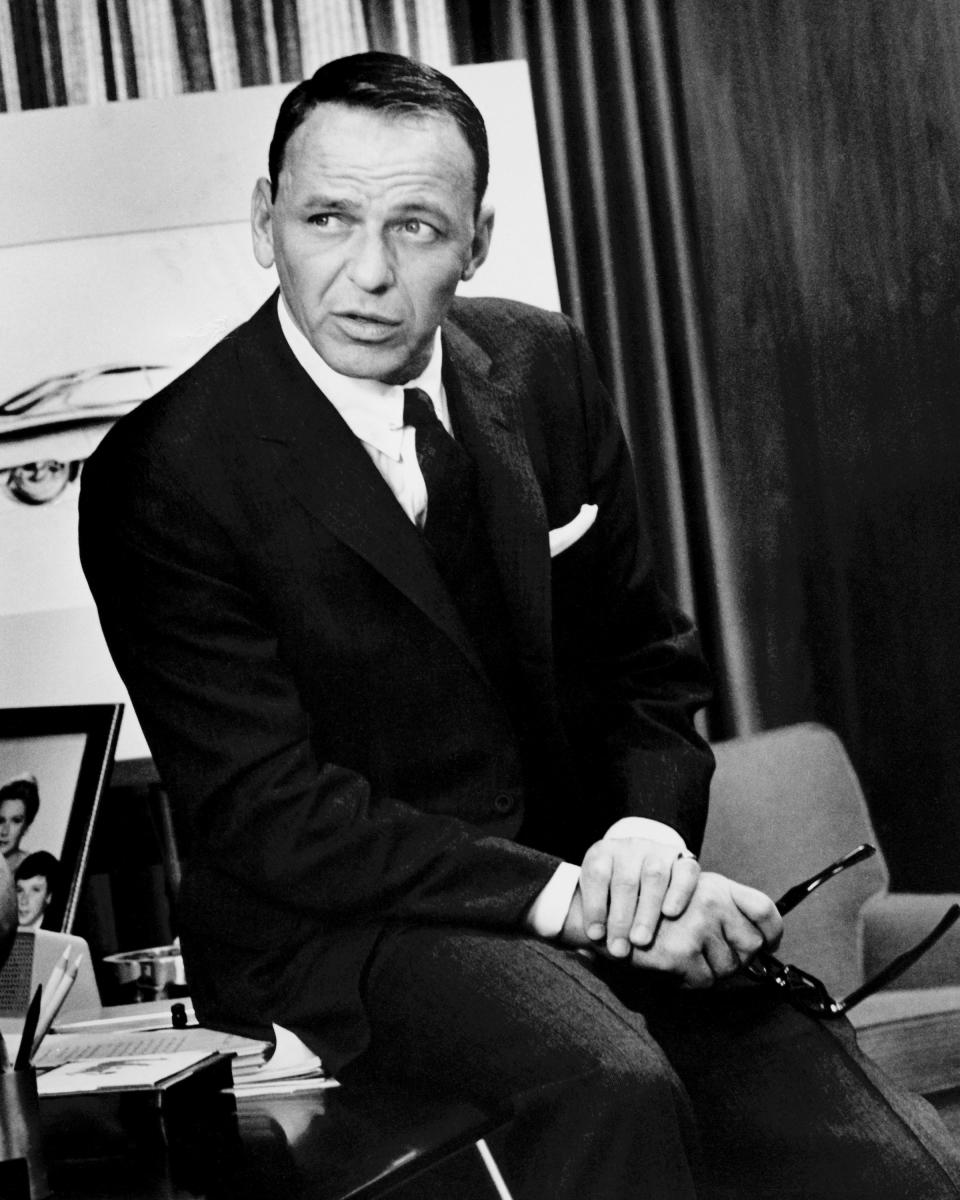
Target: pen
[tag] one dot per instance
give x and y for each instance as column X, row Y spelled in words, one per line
column 56, row 976
column 55, row 1003
column 24, row 1053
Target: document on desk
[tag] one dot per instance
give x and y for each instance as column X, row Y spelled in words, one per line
column 75, row 1047
column 121, row 1073
column 258, row 1067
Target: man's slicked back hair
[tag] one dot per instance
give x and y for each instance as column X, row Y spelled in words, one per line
column 388, row 83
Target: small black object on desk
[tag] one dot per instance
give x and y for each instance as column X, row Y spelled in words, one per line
column 14, row 1179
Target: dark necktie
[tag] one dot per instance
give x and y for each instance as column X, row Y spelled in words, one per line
column 448, row 474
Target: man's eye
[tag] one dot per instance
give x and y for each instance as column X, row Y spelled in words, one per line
column 418, row 230
column 324, row 220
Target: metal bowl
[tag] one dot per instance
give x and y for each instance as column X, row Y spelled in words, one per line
column 152, row 969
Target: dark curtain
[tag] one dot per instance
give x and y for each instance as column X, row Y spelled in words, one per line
column 755, row 216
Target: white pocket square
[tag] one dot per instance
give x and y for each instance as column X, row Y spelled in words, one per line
column 563, row 538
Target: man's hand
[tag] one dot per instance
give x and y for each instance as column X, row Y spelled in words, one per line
column 626, row 885
column 721, row 927
column 719, row 931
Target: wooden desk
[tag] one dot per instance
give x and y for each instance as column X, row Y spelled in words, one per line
column 326, row 1145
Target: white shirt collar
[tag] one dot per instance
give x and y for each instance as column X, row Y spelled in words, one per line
column 373, row 410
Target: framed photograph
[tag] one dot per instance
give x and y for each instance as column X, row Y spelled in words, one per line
column 54, row 765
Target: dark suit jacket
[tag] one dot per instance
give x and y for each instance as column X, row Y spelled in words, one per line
column 336, row 754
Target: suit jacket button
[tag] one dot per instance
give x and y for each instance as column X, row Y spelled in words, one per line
column 504, row 802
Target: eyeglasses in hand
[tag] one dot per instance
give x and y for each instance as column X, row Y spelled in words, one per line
column 806, row 991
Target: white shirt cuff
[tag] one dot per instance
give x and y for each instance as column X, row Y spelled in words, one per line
column 549, row 911
column 645, row 827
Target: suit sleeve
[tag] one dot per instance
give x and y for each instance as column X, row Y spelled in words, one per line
column 231, row 738
column 632, row 674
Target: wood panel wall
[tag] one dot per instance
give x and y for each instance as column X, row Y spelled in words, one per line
column 824, row 149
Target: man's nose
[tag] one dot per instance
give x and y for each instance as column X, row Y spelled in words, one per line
column 370, row 264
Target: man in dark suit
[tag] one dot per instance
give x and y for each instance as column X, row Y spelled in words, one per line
column 373, row 574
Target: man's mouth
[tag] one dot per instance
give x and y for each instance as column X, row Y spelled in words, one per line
column 366, row 327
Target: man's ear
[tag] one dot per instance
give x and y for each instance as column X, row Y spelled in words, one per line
column 261, row 223
column 480, row 247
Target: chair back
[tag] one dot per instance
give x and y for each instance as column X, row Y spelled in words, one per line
column 783, row 805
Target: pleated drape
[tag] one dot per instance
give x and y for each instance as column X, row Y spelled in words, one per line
column 55, row 52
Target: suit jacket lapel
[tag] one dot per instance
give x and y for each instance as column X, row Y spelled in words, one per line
column 489, row 422
column 327, row 470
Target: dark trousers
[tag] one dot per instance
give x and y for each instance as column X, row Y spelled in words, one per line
column 626, row 1086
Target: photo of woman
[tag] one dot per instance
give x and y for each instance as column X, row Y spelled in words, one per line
column 19, row 805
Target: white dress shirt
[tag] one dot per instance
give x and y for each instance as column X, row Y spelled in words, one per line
column 374, row 413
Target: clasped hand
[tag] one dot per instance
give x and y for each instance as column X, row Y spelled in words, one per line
column 637, row 900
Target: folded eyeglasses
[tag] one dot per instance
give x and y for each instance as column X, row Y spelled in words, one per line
column 807, row 992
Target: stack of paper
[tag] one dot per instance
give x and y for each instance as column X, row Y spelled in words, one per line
column 259, row 1067
column 291, row 1067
